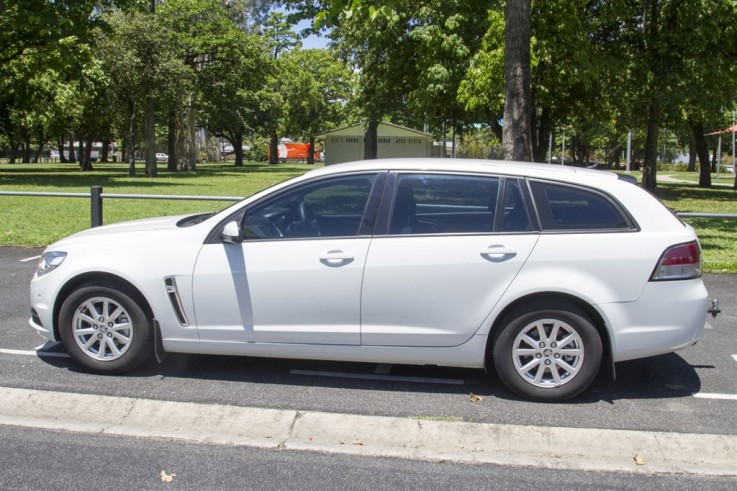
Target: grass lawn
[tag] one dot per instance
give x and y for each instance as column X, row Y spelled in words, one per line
column 36, row 221
column 39, row 221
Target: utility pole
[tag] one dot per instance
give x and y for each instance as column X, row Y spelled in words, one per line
column 719, row 154
column 733, row 130
column 550, row 147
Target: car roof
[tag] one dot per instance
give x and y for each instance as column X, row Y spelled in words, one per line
column 522, row 169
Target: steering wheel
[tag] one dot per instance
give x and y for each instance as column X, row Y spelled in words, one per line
column 308, row 220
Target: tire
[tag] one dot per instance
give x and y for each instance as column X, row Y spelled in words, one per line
column 104, row 329
column 532, row 362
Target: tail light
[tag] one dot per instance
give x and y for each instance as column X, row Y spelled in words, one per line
column 679, row 262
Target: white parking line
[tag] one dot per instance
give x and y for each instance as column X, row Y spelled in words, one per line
column 43, row 354
column 389, row 378
column 734, row 357
column 29, row 259
column 724, row 397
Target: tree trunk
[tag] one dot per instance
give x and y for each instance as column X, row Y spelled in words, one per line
column 82, row 154
column 371, row 141
column 691, row 156
column 171, row 140
column 238, row 149
column 27, row 151
column 273, row 148
column 85, row 160
column 13, row 152
column 60, row 146
column 516, row 137
column 702, row 151
column 311, row 151
column 72, row 158
column 105, row 150
column 650, row 166
column 191, row 135
column 132, row 141
column 150, row 130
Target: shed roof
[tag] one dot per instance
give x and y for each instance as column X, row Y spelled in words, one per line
column 384, row 129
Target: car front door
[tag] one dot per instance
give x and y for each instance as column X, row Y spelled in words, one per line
column 296, row 276
column 452, row 246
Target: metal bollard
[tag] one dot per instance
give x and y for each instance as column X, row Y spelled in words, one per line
column 95, row 206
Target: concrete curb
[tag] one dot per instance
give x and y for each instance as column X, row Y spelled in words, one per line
column 558, row 448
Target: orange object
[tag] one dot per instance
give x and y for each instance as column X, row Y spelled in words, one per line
column 295, row 151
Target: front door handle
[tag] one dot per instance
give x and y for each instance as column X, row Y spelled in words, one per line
column 336, row 258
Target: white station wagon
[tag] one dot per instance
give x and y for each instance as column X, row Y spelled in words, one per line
column 546, row 273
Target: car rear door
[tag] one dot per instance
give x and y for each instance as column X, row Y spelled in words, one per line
column 446, row 248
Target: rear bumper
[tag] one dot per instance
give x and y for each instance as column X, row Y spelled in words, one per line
column 668, row 316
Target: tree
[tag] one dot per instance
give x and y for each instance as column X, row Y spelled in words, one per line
column 139, row 56
column 280, row 37
column 232, row 84
column 317, row 86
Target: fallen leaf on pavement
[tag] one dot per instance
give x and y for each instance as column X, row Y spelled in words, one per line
column 167, row 477
column 475, row 398
column 357, row 442
column 640, row 460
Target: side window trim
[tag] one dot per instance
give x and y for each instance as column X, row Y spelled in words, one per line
column 386, row 205
column 371, row 219
column 530, row 209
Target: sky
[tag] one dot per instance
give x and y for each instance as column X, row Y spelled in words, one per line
column 311, row 41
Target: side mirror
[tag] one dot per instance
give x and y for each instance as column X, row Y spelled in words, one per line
column 231, row 233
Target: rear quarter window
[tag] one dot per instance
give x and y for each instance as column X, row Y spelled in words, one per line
column 576, row 209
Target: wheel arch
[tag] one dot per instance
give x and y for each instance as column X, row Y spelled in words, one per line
column 548, row 300
column 99, row 279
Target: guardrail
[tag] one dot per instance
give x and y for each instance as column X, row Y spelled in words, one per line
column 96, row 196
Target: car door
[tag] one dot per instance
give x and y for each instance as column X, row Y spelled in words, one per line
column 451, row 246
column 296, row 276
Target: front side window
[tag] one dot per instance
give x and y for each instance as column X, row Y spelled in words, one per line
column 443, row 204
column 328, row 208
column 573, row 208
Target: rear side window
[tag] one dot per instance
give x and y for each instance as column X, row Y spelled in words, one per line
column 443, row 204
column 572, row 208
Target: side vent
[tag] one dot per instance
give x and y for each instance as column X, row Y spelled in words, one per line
column 176, row 302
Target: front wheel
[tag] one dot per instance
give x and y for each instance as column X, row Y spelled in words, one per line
column 551, row 354
column 104, row 329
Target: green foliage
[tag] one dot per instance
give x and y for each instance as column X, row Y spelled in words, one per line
column 317, row 86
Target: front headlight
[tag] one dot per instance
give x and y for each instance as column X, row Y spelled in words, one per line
column 49, row 262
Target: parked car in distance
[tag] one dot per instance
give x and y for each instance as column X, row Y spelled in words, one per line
column 161, row 157
column 544, row 273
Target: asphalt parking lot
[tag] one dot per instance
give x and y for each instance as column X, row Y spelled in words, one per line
column 689, row 391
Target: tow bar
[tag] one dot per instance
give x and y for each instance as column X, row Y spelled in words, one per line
column 714, row 310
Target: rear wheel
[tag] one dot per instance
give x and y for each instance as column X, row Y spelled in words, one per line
column 551, row 354
column 104, row 329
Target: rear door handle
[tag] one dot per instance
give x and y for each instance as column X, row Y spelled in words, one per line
column 336, row 258
column 498, row 251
